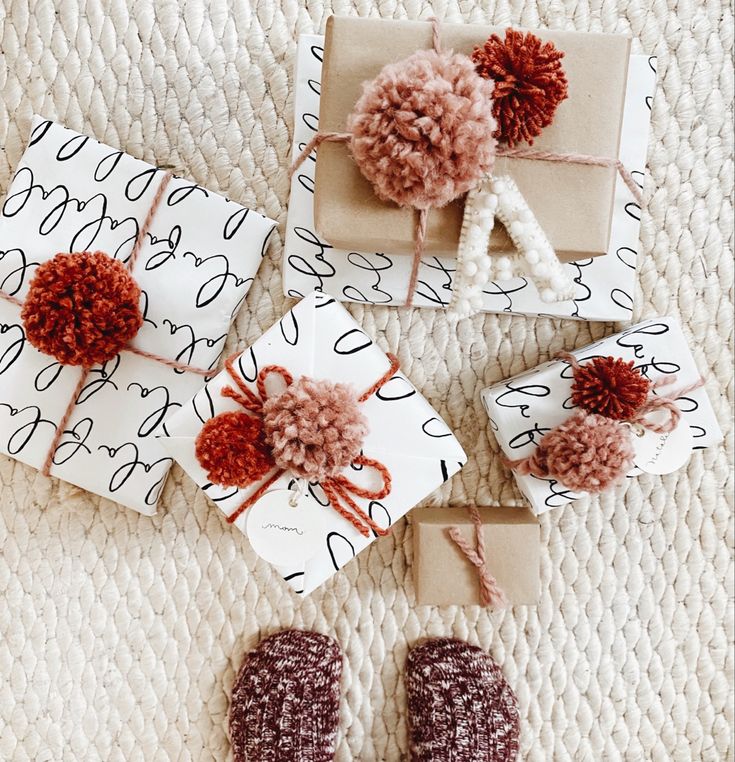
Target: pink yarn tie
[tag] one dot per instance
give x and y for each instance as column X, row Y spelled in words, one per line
column 576, row 158
column 664, row 403
column 132, row 259
column 490, row 592
column 314, row 143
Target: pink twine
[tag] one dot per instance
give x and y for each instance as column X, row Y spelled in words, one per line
column 61, row 427
column 664, row 403
column 490, row 592
column 576, row 158
column 148, row 220
column 422, row 217
column 169, row 363
column 10, row 298
column 435, row 34
column 314, row 143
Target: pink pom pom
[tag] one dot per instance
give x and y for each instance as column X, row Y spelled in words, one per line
column 422, row 131
column 315, row 428
column 586, row 453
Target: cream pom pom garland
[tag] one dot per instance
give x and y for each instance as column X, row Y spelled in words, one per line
column 499, row 198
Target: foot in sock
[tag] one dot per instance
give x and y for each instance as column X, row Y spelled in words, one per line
column 285, row 702
column 460, row 707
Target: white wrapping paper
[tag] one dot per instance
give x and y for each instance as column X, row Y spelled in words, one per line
column 604, row 285
column 318, row 338
column 72, row 193
column 523, row 408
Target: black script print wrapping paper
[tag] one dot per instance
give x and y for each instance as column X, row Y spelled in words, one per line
column 72, row 193
column 318, row 338
column 523, row 408
column 604, row 286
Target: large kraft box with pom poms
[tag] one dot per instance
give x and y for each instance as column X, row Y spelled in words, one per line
column 573, row 203
column 568, row 433
column 333, row 430
column 74, row 203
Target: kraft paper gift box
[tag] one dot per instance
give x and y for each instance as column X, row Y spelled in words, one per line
column 318, row 338
column 523, row 408
column 72, row 193
column 573, row 203
column 443, row 576
column 604, row 285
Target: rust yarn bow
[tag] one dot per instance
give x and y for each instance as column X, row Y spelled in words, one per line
column 338, row 488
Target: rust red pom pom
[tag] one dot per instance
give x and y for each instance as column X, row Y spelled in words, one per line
column 82, row 308
column 530, row 83
column 611, row 387
column 231, row 448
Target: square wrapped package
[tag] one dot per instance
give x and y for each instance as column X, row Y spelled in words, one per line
column 572, row 202
column 318, row 339
column 525, row 407
column 604, row 286
column 443, row 576
column 194, row 267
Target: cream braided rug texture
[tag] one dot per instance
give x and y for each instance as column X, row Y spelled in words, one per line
column 120, row 635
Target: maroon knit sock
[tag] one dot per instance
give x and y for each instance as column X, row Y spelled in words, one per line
column 285, row 703
column 460, row 708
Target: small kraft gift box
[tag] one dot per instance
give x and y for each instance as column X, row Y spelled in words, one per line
column 119, row 282
column 586, row 421
column 340, row 236
column 312, row 442
column 447, row 573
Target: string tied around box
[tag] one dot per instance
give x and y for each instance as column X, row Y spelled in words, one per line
column 490, row 592
column 311, row 428
column 83, row 309
column 594, row 448
column 425, row 131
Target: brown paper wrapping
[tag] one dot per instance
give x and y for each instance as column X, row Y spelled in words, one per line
column 442, row 574
column 572, row 203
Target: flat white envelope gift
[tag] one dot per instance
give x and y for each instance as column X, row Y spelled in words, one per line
column 72, row 193
column 318, row 338
column 523, row 408
column 604, row 285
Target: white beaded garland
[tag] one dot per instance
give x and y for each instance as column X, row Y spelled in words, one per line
column 500, row 198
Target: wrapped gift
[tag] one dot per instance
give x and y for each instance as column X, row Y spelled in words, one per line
column 604, row 285
column 445, row 576
column 405, row 449
column 573, row 203
column 196, row 254
column 524, row 409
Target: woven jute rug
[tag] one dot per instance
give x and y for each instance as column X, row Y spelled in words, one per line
column 120, row 635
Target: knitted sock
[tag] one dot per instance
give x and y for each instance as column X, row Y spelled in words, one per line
column 460, row 708
column 285, row 702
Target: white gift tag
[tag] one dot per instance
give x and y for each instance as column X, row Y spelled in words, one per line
column 284, row 534
column 662, row 453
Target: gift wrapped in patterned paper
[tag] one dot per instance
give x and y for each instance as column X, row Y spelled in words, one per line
column 196, row 256
column 407, row 452
column 525, row 408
